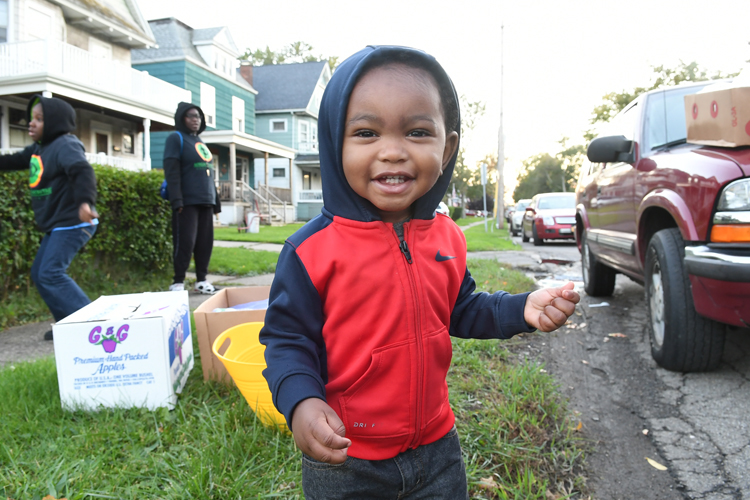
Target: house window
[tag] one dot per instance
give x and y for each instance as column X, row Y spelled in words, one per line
column 128, row 142
column 3, row 21
column 18, row 131
column 279, row 172
column 278, row 125
column 208, row 104
column 97, row 48
column 238, row 114
column 304, row 134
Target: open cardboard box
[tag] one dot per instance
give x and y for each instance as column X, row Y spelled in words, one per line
column 719, row 115
column 209, row 325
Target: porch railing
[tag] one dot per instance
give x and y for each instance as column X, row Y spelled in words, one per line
column 261, row 199
column 118, row 162
column 80, row 66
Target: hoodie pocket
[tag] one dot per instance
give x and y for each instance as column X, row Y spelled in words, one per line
column 438, row 352
column 379, row 404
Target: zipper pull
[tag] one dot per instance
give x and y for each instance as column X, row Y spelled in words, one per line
column 398, row 227
column 405, row 250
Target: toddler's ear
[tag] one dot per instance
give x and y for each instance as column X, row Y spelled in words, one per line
column 451, row 144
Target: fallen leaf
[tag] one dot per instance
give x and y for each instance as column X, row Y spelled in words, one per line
column 656, row 465
column 606, row 339
column 645, row 432
column 617, row 335
column 487, row 483
column 582, row 325
column 584, row 362
column 579, row 426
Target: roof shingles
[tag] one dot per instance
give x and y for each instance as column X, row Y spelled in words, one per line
column 285, row 86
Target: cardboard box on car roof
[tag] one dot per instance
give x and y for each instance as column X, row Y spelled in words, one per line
column 209, row 324
column 719, row 115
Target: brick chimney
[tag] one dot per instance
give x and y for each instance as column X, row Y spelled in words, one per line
column 246, row 70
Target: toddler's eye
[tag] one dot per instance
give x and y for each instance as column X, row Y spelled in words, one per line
column 364, row 133
column 419, row 133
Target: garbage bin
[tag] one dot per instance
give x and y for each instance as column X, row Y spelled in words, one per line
column 253, row 222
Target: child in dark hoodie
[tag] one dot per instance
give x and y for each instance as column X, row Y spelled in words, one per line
column 193, row 196
column 367, row 294
column 63, row 194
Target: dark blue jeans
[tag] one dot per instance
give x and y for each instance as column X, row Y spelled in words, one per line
column 50, row 270
column 432, row 471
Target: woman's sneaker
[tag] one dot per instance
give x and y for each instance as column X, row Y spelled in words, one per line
column 205, row 287
column 176, row 287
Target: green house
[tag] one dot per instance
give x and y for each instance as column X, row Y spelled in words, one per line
column 205, row 62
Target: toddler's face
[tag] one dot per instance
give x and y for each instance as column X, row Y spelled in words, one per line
column 395, row 144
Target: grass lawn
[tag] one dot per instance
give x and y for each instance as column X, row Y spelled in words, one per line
column 517, row 441
column 240, row 262
column 267, row 234
column 497, row 239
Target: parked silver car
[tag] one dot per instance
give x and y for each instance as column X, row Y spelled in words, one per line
column 517, row 218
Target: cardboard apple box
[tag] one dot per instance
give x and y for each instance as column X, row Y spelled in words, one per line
column 124, row 351
column 209, row 324
column 719, row 117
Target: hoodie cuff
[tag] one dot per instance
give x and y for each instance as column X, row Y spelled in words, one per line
column 295, row 389
column 510, row 320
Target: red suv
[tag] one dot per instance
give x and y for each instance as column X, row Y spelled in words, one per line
column 674, row 217
column 549, row 216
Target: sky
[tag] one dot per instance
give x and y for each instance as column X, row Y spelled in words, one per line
column 556, row 60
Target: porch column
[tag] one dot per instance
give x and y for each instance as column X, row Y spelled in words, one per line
column 233, row 171
column 147, row 143
column 291, row 190
column 265, row 168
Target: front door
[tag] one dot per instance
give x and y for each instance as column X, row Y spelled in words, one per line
column 102, row 143
column 243, row 169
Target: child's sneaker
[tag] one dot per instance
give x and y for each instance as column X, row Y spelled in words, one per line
column 176, row 287
column 205, row 287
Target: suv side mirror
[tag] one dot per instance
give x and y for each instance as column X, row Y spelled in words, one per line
column 613, row 148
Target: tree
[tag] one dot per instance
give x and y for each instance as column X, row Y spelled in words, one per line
column 295, row 52
column 465, row 177
column 614, row 102
column 542, row 173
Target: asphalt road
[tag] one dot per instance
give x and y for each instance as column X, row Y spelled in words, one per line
column 696, row 425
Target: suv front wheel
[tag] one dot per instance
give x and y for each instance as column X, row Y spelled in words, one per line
column 681, row 339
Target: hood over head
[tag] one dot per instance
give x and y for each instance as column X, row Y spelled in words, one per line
column 59, row 117
column 339, row 198
column 179, row 123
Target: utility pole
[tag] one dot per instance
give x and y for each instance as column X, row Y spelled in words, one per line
column 500, row 202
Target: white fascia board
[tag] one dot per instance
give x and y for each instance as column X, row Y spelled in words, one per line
column 251, row 142
column 280, row 111
column 112, row 27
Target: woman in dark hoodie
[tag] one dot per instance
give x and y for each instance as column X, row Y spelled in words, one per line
column 63, row 194
column 192, row 194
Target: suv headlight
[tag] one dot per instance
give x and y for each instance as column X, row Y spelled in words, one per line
column 736, row 196
column 548, row 221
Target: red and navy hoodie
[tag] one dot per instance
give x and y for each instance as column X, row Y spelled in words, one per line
column 361, row 314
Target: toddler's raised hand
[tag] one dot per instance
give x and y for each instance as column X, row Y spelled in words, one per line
column 549, row 308
column 319, row 432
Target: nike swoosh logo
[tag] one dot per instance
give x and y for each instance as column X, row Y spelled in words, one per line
column 443, row 258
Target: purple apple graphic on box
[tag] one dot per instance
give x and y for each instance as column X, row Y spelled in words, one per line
column 110, row 339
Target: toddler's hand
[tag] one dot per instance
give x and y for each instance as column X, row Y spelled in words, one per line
column 319, row 432
column 549, row 308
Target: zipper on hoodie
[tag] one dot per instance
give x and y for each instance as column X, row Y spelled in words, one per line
column 401, row 228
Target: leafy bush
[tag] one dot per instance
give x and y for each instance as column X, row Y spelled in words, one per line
column 456, row 212
column 134, row 225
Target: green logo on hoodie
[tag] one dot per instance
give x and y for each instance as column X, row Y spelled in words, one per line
column 36, row 170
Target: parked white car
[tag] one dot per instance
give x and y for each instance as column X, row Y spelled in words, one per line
column 516, row 219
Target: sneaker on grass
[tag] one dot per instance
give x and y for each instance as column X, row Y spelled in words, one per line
column 206, row 288
column 176, row 287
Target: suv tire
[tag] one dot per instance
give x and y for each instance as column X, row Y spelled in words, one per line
column 537, row 240
column 598, row 279
column 681, row 339
column 524, row 238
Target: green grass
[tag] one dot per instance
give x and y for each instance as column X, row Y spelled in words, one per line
column 26, row 305
column 267, row 234
column 498, row 239
column 514, row 432
column 241, row 262
column 471, row 220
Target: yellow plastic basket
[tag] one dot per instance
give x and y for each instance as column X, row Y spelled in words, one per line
column 245, row 363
